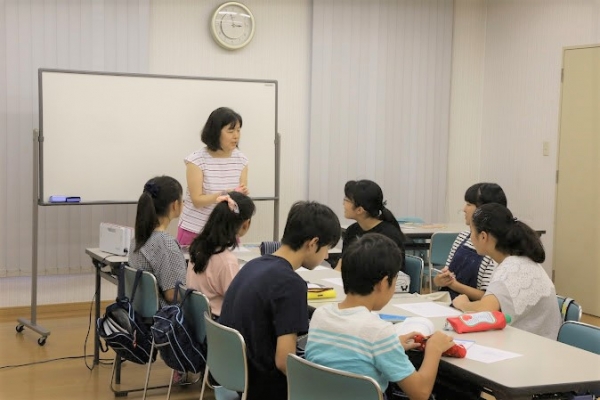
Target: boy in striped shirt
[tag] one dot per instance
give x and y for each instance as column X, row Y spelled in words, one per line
column 349, row 337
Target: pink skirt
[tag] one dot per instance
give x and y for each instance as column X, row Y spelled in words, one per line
column 184, row 237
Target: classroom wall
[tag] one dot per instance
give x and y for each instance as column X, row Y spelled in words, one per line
column 505, row 62
column 520, row 99
column 105, row 35
column 380, row 102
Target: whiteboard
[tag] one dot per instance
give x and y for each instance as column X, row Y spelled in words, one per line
column 102, row 136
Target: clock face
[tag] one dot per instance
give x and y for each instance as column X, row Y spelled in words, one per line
column 232, row 25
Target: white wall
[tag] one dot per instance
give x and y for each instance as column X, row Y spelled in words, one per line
column 522, row 60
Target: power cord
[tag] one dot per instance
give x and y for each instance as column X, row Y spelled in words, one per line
column 43, row 361
column 87, row 335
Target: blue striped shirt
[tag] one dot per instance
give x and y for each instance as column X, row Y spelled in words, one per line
column 358, row 341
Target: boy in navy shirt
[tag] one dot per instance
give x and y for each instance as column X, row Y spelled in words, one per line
column 267, row 301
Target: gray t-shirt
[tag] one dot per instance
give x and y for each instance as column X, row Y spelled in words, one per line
column 526, row 293
column 162, row 256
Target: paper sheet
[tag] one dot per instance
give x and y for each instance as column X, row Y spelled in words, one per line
column 429, row 309
column 489, row 355
column 241, row 249
column 466, row 343
column 335, row 281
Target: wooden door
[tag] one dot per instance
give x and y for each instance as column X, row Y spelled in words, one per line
column 577, row 238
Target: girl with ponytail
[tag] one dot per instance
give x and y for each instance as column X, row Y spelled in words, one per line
column 519, row 287
column 363, row 202
column 152, row 248
column 212, row 264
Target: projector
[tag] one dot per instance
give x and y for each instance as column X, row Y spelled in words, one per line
column 115, row 239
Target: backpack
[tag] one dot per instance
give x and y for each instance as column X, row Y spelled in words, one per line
column 123, row 330
column 175, row 339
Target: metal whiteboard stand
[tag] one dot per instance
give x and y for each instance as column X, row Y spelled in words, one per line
column 274, row 199
column 23, row 322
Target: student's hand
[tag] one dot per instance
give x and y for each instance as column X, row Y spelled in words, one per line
column 439, row 342
column 408, row 341
column 460, row 301
column 445, row 278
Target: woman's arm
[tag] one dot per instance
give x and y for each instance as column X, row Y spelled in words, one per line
column 471, row 292
column 487, row 303
column 244, row 180
column 195, row 183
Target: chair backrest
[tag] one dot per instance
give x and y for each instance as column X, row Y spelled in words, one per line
column 226, row 356
column 410, row 220
column 570, row 310
column 441, row 244
column 196, row 305
column 578, row 334
column 146, row 300
column 414, row 269
column 269, row 247
column 310, row 381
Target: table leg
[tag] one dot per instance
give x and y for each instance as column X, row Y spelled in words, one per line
column 98, row 301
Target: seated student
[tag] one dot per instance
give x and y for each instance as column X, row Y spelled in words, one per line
column 467, row 272
column 519, row 287
column 363, row 202
column 349, row 337
column 267, row 301
column 212, row 265
column 153, row 249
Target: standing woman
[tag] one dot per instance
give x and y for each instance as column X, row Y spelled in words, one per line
column 153, row 249
column 216, row 169
column 363, row 202
column 212, row 264
column 519, row 287
column 467, row 272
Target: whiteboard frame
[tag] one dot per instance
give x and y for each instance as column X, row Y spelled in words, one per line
column 43, row 201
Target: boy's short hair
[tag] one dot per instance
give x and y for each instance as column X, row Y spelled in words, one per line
column 307, row 220
column 367, row 261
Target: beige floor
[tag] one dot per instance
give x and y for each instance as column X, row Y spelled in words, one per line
column 69, row 379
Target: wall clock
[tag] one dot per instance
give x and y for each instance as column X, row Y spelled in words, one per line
column 232, row 25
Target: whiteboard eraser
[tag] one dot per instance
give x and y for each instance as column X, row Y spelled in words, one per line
column 58, row 199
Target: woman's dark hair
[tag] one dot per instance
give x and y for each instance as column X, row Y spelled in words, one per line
column 159, row 193
column 307, row 220
column 217, row 120
column 368, row 195
column 367, row 261
column 220, row 231
column 485, row 193
column 513, row 237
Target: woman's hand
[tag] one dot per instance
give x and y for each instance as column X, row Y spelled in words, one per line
column 242, row 189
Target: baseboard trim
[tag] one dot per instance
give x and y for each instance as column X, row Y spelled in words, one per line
column 50, row 310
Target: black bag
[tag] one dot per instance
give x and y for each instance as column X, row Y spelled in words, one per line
column 123, row 330
column 174, row 337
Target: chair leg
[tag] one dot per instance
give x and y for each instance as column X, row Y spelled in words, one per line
column 170, row 384
column 112, row 374
column 148, row 370
column 204, row 381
